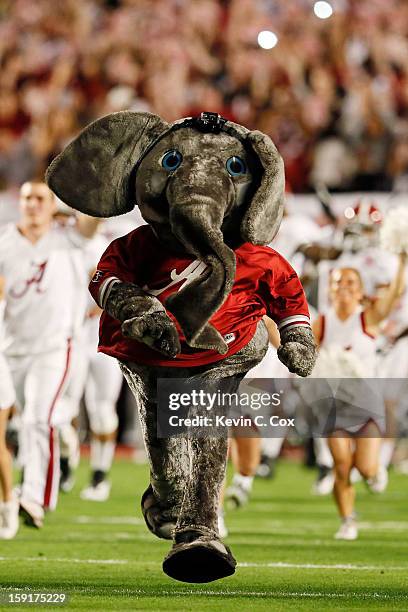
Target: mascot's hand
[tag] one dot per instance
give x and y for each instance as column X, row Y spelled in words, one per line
column 156, row 330
column 143, row 318
column 298, row 350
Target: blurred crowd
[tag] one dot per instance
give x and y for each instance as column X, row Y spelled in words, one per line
column 333, row 93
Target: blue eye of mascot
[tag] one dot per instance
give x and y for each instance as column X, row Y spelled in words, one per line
column 184, row 295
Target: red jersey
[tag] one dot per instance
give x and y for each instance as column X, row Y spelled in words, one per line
column 265, row 283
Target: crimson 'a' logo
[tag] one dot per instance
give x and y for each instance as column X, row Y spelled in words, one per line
column 193, row 271
column 35, row 280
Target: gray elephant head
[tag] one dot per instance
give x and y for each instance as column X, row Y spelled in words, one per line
column 205, row 185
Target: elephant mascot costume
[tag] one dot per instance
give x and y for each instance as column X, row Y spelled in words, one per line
column 184, row 296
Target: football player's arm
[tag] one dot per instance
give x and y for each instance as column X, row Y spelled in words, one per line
column 287, row 306
column 382, row 307
column 2, row 288
column 142, row 316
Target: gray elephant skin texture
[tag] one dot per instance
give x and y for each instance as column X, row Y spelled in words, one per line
column 211, row 193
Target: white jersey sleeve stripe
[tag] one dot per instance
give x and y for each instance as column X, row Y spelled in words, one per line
column 294, row 320
column 105, row 289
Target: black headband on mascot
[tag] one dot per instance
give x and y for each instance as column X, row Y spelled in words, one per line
column 206, row 123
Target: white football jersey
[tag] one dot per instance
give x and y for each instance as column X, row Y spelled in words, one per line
column 115, row 227
column 93, row 252
column 41, row 289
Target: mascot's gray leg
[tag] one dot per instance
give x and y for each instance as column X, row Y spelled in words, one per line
column 198, row 555
column 168, row 459
column 169, row 468
column 187, row 473
column 201, row 496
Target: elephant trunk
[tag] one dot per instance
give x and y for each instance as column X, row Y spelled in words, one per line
column 196, row 223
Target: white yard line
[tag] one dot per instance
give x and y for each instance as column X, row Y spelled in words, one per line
column 266, row 594
column 68, row 560
column 108, row 520
column 132, row 520
column 337, row 566
column 225, row 593
column 235, row 540
column 276, row 594
column 393, row 525
column 276, row 565
column 107, row 537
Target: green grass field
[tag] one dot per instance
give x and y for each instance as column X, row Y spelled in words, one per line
column 104, row 558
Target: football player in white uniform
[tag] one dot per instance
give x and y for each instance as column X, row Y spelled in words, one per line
column 102, row 391
column 37, row 262
column 99, row 380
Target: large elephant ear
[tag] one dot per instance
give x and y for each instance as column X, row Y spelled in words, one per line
column 92, row 174
column 265, row 210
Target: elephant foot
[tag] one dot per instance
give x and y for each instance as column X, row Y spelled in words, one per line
column 154, row 517
column 198, row 558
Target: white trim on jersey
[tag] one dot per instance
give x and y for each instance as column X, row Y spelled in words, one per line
column 294, row 320
column 105, row 289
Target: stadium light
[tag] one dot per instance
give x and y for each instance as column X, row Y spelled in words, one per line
column 323, row 10
column 267, row 39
